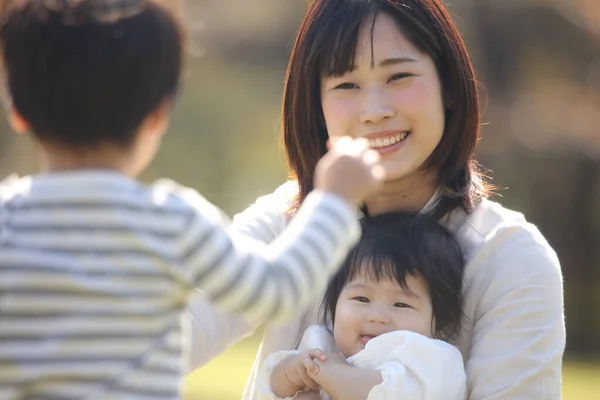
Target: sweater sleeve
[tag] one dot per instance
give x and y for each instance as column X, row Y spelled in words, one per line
column 276, row 281
column 213, row 330
column 315, row 337
column 413, row 367
column 519, row 333
column 263, row 378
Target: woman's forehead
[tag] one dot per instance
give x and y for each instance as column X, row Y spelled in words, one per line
column 380, row 38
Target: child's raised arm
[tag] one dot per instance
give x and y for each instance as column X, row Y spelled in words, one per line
column 284, row 278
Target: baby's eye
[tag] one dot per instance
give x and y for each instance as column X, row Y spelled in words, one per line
column 401, row 305
column 346, row 85
column 361, row 299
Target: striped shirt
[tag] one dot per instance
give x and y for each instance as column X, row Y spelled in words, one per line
column 96, row 268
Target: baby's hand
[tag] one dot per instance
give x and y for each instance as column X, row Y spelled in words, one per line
column 296, row 372
column 316, row 367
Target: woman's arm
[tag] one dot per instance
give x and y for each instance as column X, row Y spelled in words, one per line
column 213, row 330
column 519, row 333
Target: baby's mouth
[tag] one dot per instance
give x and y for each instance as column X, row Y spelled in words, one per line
column 364, row 339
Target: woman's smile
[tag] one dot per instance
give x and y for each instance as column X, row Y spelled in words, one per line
column 387, row 142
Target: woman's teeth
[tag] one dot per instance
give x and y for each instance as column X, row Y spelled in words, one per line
column 379, row 143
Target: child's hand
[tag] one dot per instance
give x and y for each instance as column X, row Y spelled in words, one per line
column 295, row 372
column 316, row 367
column 350, row 169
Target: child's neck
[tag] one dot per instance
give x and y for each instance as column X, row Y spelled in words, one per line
column 102, row 157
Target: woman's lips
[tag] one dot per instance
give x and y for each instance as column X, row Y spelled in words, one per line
column 390, row 143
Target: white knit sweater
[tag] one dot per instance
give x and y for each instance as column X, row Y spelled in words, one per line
column 514, row 336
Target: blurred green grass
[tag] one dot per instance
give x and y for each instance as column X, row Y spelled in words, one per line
column 224, row 378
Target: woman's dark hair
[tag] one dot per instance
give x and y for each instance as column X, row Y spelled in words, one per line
column 87, row 72
column 396, row 245
column 325, row 45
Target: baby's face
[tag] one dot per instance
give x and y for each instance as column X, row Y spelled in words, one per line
column 366, row 309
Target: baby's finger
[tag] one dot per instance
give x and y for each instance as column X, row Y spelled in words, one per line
column 318, row 354
column 306, row 378
column 311, row 368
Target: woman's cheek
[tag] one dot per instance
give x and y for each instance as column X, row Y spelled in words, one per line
column 412, row 100
column 339, row 114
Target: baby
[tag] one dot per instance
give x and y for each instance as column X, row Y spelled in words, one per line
column 387, row 316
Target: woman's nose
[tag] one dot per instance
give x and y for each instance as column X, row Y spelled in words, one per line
column 376, row 107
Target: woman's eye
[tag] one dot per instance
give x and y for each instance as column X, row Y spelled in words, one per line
column 401, row 305
column 346, row 85
column 361, row 299
column 397, row 77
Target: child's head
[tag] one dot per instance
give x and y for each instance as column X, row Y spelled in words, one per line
column 406, row 273
column 85, row 75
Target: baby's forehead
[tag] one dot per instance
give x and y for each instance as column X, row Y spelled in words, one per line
column 413, row 285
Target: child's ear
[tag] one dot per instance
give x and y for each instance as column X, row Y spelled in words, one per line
column 157, row 121
column 16, row 121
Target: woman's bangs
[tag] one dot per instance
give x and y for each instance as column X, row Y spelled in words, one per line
column 336, row 51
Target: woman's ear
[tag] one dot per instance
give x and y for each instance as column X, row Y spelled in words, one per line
column 16, row 121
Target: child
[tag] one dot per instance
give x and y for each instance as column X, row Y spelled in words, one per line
column 394, row 304
column 95, row 268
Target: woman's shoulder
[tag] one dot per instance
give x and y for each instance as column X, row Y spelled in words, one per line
column 277, row 201
column 319, row 337
column 266, row 218
column 500, row 241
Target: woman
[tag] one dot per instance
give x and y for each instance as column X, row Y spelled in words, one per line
column 398, row 73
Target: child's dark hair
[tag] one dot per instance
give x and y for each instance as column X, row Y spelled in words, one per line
column 88, row 72
column 395, row 245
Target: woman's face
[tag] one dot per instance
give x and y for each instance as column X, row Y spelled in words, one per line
column 392, row 96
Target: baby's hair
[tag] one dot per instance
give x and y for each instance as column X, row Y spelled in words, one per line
column 396, row 245
column 88, row 72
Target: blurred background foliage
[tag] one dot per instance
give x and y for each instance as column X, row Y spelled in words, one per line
column 538, row 62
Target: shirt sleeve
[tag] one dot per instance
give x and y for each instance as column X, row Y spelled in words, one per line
column 314, row 337
column 519, row 333
column 270, row 282
column 262, row 386
column 413, row 367
column 213, row 330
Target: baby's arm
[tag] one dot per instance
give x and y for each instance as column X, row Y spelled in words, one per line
column 343, row 381
column 310, row 395
column 290, row 377
column 405, row 365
